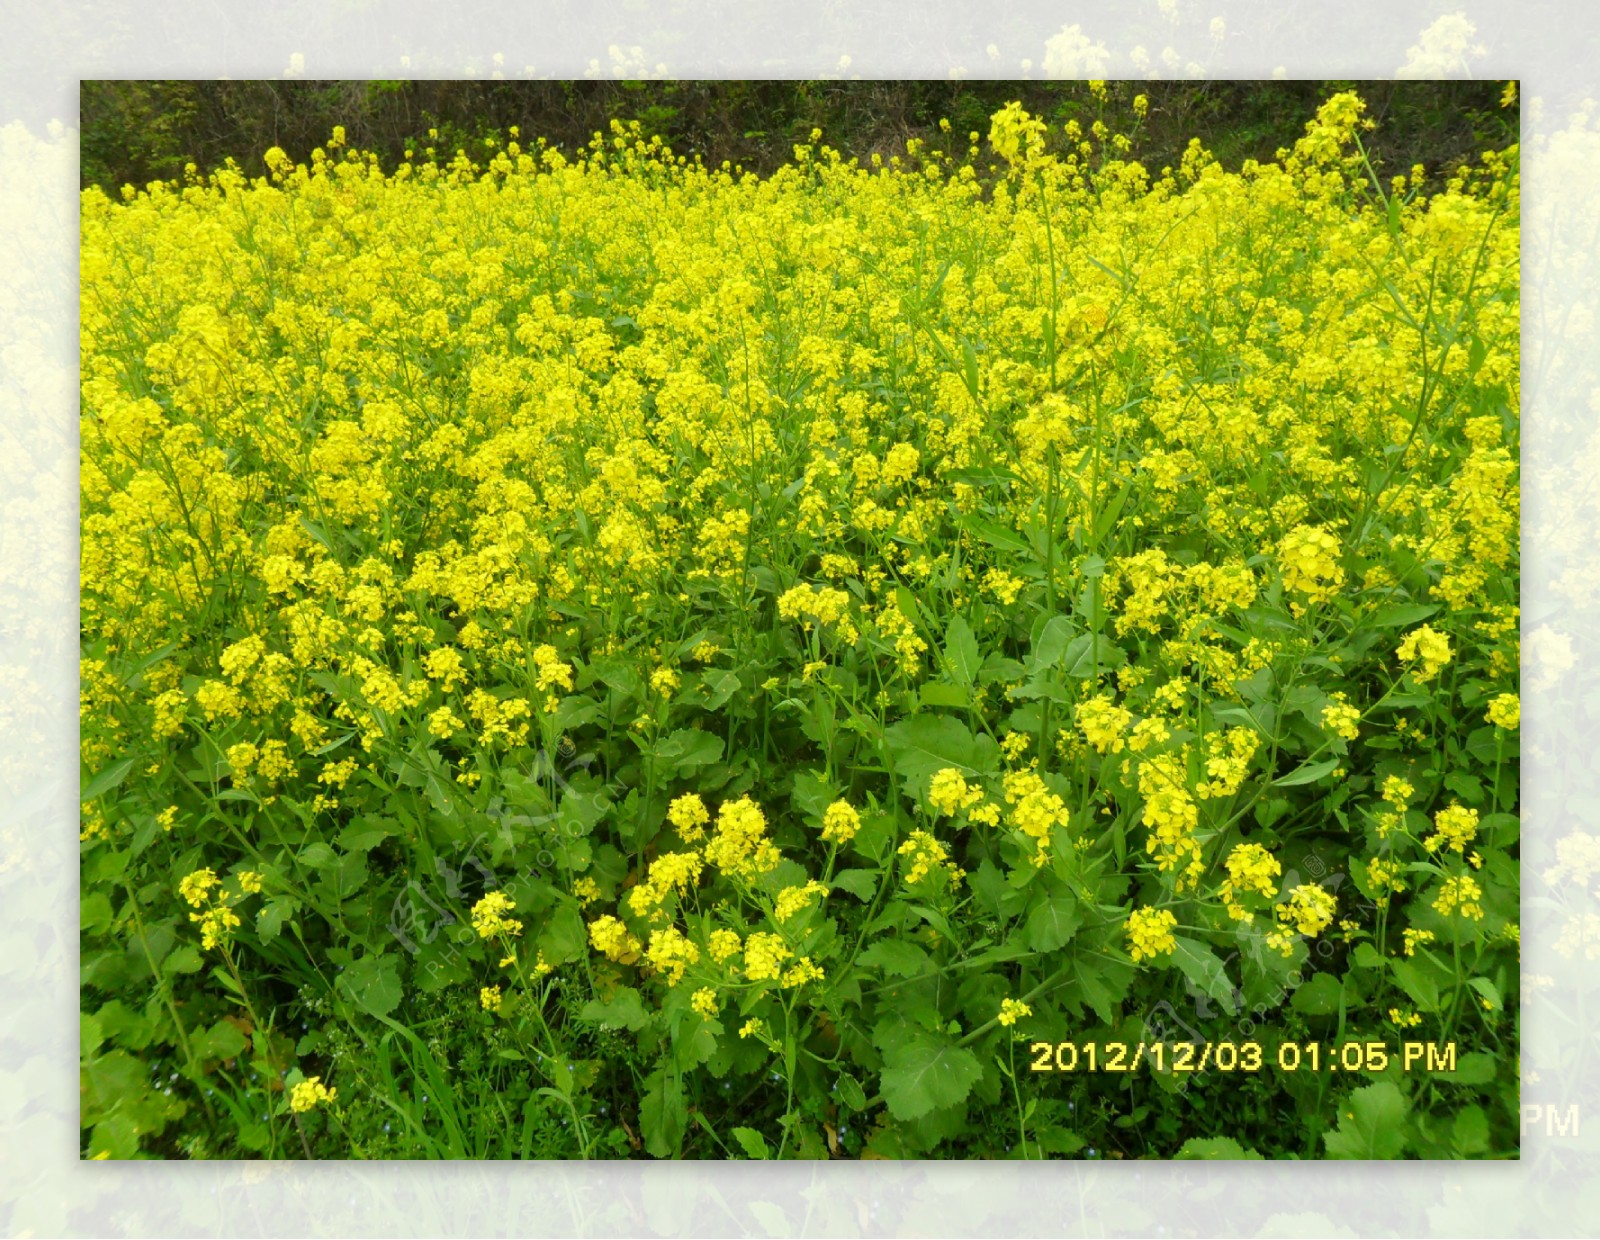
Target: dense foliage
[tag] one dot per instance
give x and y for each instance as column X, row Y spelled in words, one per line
column 137, row 131
column 593, row 656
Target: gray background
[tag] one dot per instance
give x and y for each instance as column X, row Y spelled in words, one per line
column 1552, row 47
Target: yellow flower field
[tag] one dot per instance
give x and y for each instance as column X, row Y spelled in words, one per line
column 597, row 656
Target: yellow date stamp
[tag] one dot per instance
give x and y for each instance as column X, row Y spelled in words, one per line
column 1229, row 1056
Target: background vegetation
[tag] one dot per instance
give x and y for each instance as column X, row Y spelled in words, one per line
column 135, row 132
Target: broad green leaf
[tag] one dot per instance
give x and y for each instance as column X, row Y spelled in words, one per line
column 910, row 608
column 663, row 1114
column 1317, row 996
column 937, row 693
column 1372, row 1124
column 573, row 712
column 580, row 811
column 998, row 536
column 812, row 793
column 925, row 744
column 961, row 651
column 1214, row 1149
column 437, row 965
column 1422, row 989
column 720, row 686
column 896, row 958
column 859, row 883
column 1470, row 1136
column 1473, row 1068
column 222, row 1041
column 926, row 1072
column 752, row 1143
column 276, row 911
column 997, row 667
column 1051, row 643
column 107, row 779
column 1200, row 965
column 94, row 911
column 319, row 856
column 1053, row 921
column 373, row 983
column 686, row 750
column 1088, row 653
column 185, row 959
column 1043, row 686
column 1261, row 717
column 624, row 1010
column 365, row 834
column 565, row 937
column 90, row 1033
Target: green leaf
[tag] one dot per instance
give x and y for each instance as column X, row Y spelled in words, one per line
column 1474, row 1068
column 851, row 1093
column 969, row 369
column 1307, row 773
column 926, row 1072
column 1091, row 652
column 812, row 794
column 564, row 937
column 319, row 856
column 1471, row 1132
column 624, row 1010
column 373, row 983
column 365, row 834
column 1489, row 991
column 1371, row 1124
column 222, row 1041
column 1051, row 643
column 107, row 779
column 185, row 959
column 1318, row 995
column 663, row 1114
column 859, row 883
column 686, row 750
column 937, row 693
column 1108, row 515
column 1200, row 965
column 1214, row 1149
column 94, row 912
column 906, row 601
column 720, row 686
column 573, row 712
column 1053, row 922
column 1261, row 717
column 1401, row 617
column 925, row 744
column 752, row 1143
column 1042, row 686
column 961, row 651
column 896, row 958
column 998, row 536
column 1422, row 989
column 276, row 911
